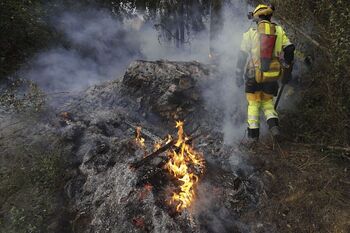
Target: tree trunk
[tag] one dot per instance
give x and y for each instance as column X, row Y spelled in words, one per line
column 182, row 23
column 216, row 24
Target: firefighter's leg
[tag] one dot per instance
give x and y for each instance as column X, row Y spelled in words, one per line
column 253, row 115
column 270, row 113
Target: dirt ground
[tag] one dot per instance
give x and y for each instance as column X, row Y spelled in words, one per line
column 307, row 188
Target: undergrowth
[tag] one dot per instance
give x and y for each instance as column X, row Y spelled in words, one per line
column 322, row 115
column 30, row 186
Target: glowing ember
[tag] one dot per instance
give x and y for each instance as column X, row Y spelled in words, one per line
column 139, row 139
column 179, row 166
column 157, row 145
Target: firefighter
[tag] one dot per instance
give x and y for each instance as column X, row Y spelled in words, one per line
column 266, row 56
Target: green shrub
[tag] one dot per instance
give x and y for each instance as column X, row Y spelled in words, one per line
column 29, row 188
column 323, row 113
column 24, row 32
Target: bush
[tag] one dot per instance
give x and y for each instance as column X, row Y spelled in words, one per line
column 323, row 113
column 24, row 32
column 29, row 188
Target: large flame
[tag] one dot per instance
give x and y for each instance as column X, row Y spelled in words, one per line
column 182, row 164
column 179, row 165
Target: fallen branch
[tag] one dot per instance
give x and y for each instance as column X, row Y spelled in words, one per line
column 152, row 136
column 154, row 154
column 149, row 157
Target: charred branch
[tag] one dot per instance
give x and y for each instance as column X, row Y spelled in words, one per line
column 162, row 149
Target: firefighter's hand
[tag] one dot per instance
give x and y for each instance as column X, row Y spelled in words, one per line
column 239, row 78
column 287, row 73
column 287, row 76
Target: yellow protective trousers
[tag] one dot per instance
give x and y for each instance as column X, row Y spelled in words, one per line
column 259, row 101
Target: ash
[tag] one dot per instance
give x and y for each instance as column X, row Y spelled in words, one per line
column 106, row 195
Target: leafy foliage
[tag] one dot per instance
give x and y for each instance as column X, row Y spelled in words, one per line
column 31, row 183
column 323, row 115
column 22, row 96
column 23, row 32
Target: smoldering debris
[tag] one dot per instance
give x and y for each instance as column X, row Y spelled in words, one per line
column 107, row 195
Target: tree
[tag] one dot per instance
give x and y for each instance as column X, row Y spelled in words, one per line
column 216, row 24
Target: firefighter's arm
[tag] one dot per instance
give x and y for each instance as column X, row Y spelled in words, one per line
column 288, row 50
column 242, row 59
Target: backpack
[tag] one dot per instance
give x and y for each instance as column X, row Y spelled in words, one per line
column 269, row 66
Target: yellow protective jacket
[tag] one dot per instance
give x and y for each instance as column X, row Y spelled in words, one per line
column 256, row 80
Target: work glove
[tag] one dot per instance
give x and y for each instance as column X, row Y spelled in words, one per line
column 239, row 77
column 287, row 73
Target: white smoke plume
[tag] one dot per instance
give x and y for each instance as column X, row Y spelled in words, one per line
column 98, row 47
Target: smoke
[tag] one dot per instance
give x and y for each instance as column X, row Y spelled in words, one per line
column 225, row 94
column 99, row 47
column 96, row 47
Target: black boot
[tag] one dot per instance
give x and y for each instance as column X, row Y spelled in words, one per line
column 274, row 128
column 253, row 138
column 253, row 133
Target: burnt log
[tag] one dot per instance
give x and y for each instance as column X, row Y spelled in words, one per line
column 151, row 156
column 154, row 154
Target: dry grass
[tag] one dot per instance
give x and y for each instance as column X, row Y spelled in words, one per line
column 309, row 192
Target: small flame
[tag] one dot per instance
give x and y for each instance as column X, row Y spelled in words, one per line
column 178, row 166
column 157, row 145
column 169, row 139
column 139, row 139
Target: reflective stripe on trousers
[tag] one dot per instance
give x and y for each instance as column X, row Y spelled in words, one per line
column 256, row 102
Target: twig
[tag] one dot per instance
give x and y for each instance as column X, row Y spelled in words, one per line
column 329, row 147
column 346, row 155
column 329, row 181
column 10, row 125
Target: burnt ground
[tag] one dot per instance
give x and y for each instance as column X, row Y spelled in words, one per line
column 286, row 188
column 307, row 189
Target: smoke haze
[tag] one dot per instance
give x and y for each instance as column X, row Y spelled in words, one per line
column 98, row 47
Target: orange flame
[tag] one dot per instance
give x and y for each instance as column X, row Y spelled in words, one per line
column 178, row 165
column 182, row 161
column 157, row 145
column 139, row 139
